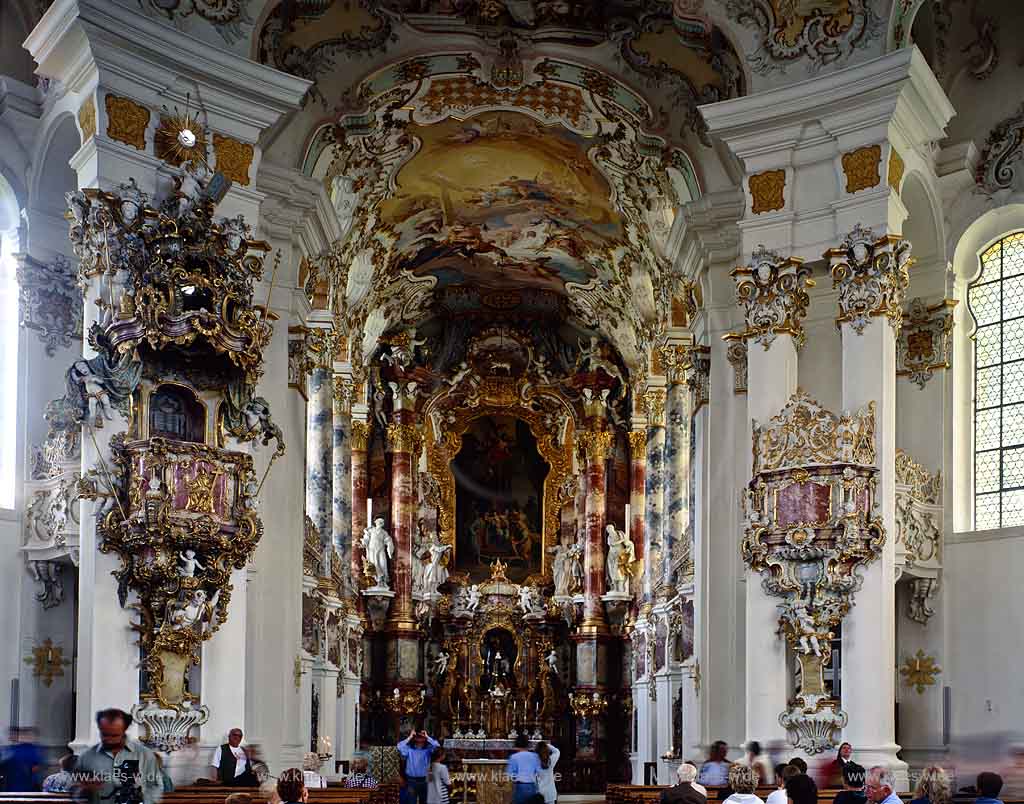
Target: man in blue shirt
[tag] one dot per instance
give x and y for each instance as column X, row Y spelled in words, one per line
column 881, row 786
column 416, row 750
column 523, row 768
column 21, row 762
column 988, row 786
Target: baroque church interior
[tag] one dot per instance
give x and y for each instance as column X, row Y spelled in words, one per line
column 630, row 375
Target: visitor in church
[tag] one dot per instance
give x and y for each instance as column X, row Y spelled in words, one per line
column 755, row 759
column 290, row 787
column 801, row 789
column 714, row 772
column 743, row 782
column 523, row 769
column 988, row 785
column 359, row 777
column 416, row 750
column 62, row 780
column 783, row 773
column 933, row 787
column 853, row 786
column 311, row 771
column 117, row 758
column 232, row 764
column 834, row 770
column 21, row 761
column 685, row 790
column 439, row 783
column 548, row 755
column 881, row 786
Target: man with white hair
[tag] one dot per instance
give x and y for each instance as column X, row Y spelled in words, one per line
column 881, row 786
column 687, row 791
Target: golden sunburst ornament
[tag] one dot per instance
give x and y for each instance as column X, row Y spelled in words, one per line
column 181, row 138
column 919, row 671
column 48, row 661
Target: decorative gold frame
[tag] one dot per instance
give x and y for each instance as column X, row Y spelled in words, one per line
column 442, row 449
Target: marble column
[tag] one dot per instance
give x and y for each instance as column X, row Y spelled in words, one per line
column 638, row 496
column 676, row 462
column 596, row 445
column 403, row 443
column 341, row 509
column 870, row 302
column 654, row 496
column 320, row 441
column 359, row 487
column 774, row 300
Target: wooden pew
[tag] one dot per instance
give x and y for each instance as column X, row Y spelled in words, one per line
column 215, row 794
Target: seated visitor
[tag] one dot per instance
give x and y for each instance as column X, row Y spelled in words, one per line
column 684, row 792
column 743, row 781
column 359, row 777
column 833, row 776
column 715, row 770
column 20, row 762
column 880, row 786
column 239, row 798
column 311, row 772
column 60, row 782
column 783, row 773
column 933, row 787
column 989, row 785
column 290, row 787
column 801, row 789
column 853, row 785
column 231, row 763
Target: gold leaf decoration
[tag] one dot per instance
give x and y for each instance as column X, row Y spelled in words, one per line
column 234, row 158
column 861, row 168
column 919, row 671
column 766, row 191
column 127, row 121
column 87, row 119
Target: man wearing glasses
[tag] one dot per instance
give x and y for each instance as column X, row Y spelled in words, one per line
column 118, row 770
column 880, row 786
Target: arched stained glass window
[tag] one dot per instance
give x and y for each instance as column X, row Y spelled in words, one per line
column 996, row 300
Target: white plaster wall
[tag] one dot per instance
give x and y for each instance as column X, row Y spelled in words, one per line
column 986, row 613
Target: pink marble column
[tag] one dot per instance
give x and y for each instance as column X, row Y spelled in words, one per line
column 359, row 469
column 596, row 444
column 637, row 489
column 403, row 439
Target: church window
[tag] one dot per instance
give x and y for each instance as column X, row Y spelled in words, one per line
column 996, row 300
column 8, row 346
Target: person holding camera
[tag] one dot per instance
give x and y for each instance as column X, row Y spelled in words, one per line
column 118, row 770
column 416, row 750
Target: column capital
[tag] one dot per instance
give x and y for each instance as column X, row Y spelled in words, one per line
column 637, row 442
column 698, row 378
column 596, row 443
column 773, row 295
column 676, row 359
column 871, row 274
column 360, row 434
column 654, row 404
column 403, row 438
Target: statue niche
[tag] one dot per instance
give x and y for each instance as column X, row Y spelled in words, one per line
column 499, row 491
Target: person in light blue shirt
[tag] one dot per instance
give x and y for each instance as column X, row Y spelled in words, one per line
column 715, row 771
column 416, row 750
column 523, row 769
column 881, row 786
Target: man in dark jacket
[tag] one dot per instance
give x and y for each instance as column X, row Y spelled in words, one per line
column 231, row 763
column 685, row 792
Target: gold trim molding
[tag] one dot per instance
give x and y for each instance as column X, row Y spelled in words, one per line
column 87, row 119
column 127, row 121
column 896, row 168
column 861, row 168
column 360, row 434
column 234, row 158
column 767, row 191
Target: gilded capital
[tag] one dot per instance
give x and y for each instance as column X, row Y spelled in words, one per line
column 773, row 295
column 872, row 275
column 637, row 443
column 320, row 347
column 676, row 359
column 654, row 404
column 596, row 443
column 344, row 392
column 403, row 438
column 360, row 434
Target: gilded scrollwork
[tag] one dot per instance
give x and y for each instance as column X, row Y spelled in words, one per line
column 773, row 295
column 925, row 342
column 871, row 274
column 736, row 354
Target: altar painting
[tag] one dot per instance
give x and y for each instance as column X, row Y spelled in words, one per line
column 499, row 492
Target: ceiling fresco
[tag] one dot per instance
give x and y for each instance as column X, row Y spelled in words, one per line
column 559, row 209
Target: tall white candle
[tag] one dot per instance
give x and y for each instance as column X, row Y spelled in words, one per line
column 628, row 517
column 369, row 511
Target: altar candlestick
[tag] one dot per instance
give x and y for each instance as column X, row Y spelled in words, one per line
column 627, row 519
column 369, row 512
